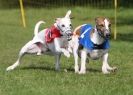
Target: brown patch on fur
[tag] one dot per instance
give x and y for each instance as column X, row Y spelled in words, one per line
column 100, row 24
column 77, row 31
column 100, row 20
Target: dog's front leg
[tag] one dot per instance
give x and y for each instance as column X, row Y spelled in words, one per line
column 105, row 64
column 83, row 61
column 76, row 67
column 75, row 46
column 106, row 68
column 57, row 62
column 59, row 49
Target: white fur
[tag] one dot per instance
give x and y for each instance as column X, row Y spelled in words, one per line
column 96, row 38
column 106, row 24
column 56, row 47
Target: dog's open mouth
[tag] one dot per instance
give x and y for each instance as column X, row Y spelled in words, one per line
column 69, row 36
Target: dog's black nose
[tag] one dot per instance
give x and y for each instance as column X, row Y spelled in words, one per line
column 108, row 35
column 69, row 34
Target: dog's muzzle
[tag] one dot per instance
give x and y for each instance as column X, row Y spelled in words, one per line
column 69, row 35
column 108, row 35
column 105, row 34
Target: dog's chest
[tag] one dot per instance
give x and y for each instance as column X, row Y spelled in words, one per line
column 96, row 54
column 63, row 42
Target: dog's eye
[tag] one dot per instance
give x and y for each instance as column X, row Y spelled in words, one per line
column 63, row 25
column 71, row 25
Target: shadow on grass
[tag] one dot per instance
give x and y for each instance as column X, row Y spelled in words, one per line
column 93, row 70
column 38, row 68
column 88, row 69
column 53, row 69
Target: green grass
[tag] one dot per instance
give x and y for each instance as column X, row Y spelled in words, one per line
column 36, row 76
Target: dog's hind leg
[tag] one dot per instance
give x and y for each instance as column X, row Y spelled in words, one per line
column 29, row 48
column 16, row 63
column 21, row 54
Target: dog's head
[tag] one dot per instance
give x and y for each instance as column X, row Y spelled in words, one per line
column 64, row 25
column 103, row 26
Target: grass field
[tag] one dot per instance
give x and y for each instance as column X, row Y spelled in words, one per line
column 36, row 76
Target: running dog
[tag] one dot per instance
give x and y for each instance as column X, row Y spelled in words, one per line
column 53, row 40
column 92, row 42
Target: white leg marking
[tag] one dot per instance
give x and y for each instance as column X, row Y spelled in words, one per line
column 75, row 53
column 105, row 64
column 83, row 62
column 106, row 68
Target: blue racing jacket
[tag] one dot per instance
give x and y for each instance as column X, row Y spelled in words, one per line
column 85, row 40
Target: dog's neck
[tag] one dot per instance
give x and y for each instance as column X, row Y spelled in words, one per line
column 96, row 38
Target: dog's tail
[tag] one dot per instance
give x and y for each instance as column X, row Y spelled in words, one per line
column 37, row 27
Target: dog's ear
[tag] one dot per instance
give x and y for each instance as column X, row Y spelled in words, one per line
column 96, row 19
column 68, row 14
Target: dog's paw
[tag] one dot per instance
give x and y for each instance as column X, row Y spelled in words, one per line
column 76, row 69
column 114, row 69
column 67, row 54
column 106, row 72
column 9, row 68
column 70, row 50
column 65, row 70
column 82, row 72
column 39, row 53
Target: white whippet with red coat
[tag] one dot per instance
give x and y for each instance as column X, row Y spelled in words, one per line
column 54, row 40
column 92, row 42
